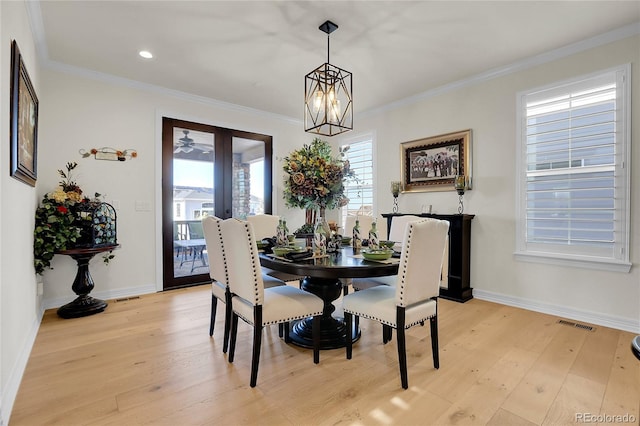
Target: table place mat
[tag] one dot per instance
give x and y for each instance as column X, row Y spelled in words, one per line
column 390, row 260
column 315, row 256
column 280, row 257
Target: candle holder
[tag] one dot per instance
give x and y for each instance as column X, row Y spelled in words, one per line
column 395, row 191
column 460, row 184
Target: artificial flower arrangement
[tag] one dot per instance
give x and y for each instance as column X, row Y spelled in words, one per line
column 315, row 179
column 61, row 221
column 108, row 153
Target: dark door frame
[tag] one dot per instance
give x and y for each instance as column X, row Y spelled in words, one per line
column 223, row 151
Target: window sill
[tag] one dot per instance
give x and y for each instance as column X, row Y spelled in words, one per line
column 586, row 263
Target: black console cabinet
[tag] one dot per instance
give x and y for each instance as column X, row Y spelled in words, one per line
column 459, row 287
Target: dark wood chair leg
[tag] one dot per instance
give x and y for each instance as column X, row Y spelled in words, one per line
column 316, row 338
column 232, row 338
column 348, row 322
column 286, row 329
column 257, row 342
column 387, row 333
column 228, row 311
column 214, row 307
column 402, row 347
column 434, row 341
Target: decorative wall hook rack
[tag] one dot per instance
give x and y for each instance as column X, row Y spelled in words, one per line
column 111, row 154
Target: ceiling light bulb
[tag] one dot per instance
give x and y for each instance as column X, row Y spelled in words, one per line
column 318, row 101
column 145, row 54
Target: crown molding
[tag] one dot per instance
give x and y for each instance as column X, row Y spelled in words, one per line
column 37, row 27
column 562, row 52
column 134, row 84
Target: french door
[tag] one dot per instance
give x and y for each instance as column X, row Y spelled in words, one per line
column 207, row 170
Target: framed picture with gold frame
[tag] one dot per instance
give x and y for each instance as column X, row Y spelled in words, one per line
column 431, row 164
column 24, row 121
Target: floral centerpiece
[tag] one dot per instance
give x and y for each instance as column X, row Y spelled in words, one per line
column 315, row 180
column 59, row 221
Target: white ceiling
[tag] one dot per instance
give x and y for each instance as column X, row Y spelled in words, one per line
column 255, row 54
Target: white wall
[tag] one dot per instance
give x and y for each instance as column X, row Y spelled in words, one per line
column 77, row 112
column 488, row 108
column 20, row 311
column 83, row 113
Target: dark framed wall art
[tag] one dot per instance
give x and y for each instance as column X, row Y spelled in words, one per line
column 24, row 121
column 431, row 164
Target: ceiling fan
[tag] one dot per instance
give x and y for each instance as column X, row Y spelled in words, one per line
column 186, row 144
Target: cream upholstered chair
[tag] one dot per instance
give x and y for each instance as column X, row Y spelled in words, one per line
column 414, row 299
column 256, row 305
column 398, row 226
column 219, row 275
column 264, row 226
column 396, row 233
column 365, row 225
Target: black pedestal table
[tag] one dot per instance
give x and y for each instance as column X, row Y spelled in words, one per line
column 323, row 279
column 84, row 304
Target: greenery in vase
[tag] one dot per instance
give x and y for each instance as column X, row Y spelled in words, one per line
column 315, row 177
column 57, row 223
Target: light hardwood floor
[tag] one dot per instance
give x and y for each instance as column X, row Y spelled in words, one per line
column 151, row 361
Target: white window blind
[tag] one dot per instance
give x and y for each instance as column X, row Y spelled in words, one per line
column 360, row 192
column 574, row 189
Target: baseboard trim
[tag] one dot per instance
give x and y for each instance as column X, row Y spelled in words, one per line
column 619, row 323
column 104, row 295
column 10, row 390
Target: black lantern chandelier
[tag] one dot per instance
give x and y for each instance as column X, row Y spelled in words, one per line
column 328, row 104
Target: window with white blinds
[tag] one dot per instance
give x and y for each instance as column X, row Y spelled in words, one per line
column 360, row 192
column 573, row 166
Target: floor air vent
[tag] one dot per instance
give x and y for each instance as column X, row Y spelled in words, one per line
column 576, row 325
column 124, row 299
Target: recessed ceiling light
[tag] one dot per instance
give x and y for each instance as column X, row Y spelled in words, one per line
column 145, row 54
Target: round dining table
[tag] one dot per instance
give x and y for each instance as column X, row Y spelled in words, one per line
column 322, row 278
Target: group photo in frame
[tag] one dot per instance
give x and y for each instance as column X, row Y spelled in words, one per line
column 24, row 121
column 432, row 164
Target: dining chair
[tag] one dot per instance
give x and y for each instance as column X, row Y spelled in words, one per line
column 264, row 226
column 414, row 299
column 259, row 306
column 396, row 233
column 194, row 233
column 398, row 226
column 365, row 225
column 219, row 275
column 176, row 237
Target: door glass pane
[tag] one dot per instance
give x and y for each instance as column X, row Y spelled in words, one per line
column 248, row 177
column 193, row 199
